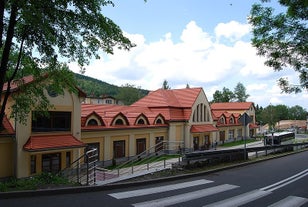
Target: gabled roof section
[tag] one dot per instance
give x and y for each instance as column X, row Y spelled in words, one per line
column 181, row 98
column 52, row 142
column 231, row 106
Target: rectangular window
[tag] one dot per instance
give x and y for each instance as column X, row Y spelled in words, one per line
column 231, row 134
column 56, row 121
column 119, row 149
column 33, row 164
column 68, row 159
column 51, row 162
column 140, row 145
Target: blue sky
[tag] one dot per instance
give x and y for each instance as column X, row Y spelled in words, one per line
column 202, row 43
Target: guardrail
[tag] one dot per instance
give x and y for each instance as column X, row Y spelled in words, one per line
column 201, row 158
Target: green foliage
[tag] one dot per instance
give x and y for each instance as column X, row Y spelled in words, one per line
column 272, row 114
column 128, row 94
column 282, row 39
column 225, row 96
column 33, row 183
column 34, row 34
column 240, row 94
column 165, row 85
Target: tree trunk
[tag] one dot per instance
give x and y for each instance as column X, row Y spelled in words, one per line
column 5, row 55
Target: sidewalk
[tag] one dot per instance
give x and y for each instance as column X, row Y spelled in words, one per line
column 106, row 177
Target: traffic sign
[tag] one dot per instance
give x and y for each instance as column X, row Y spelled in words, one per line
column 245, row 119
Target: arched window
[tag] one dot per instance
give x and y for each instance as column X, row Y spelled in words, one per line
column 231, row 120
column 92, row 122
column 222, row 120
column 141, row 122
column 119, row 122
column 159, row 121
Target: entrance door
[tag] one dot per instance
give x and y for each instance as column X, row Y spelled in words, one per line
column 159, row 143
column 141, row 145
column 196, row 143
column 222, row 136
column 51, row 162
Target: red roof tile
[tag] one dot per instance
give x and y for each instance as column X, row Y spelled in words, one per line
column 203, row 128
column 231, row 106
column 170, row 98
column 51, row 142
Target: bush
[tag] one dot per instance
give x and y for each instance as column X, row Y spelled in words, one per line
column 36, row 182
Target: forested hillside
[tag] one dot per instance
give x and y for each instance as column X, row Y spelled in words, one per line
column 97, row 88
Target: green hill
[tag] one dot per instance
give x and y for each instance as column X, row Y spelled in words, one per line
column 97, row 88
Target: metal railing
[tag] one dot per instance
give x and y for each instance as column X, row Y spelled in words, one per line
column 153, row 159
column 83, row 170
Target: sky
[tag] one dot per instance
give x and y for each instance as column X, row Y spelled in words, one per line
column 202, row 43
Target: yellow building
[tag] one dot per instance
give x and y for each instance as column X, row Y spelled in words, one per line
column 42, row 144
column 182, row 117
column 226, row 117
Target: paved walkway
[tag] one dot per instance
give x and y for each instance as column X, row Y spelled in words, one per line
column 104, row 177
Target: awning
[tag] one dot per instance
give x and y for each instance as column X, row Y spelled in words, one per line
column 203, row 128
column 253, row 126
column 52, row 142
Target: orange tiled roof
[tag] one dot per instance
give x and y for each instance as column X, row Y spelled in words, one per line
column 182, row 98
column 51, row 142
column 203, row 128
column 231, row 106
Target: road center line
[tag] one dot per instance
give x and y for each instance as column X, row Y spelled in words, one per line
column 286, row 181
column 160, row 189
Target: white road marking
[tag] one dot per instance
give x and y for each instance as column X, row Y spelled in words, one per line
column 160, row 189
column 186, row 196
column 240, row 199
column 286, row 181
column 293, row 201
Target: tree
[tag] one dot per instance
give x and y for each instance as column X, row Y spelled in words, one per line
column 240, row 93
column 282, row 39
column 44, row 31
column 165, row 85
column 225, row 96
column 129, row 94
column 297, row 113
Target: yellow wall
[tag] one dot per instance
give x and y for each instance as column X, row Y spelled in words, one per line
column 6, row 157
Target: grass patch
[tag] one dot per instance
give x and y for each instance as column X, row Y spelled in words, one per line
column 143, row 161
column 239, row 142
column 42, row 181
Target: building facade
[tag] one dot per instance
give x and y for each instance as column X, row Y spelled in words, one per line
column 183, row 118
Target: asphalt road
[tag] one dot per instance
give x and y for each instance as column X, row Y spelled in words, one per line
column 278, row 182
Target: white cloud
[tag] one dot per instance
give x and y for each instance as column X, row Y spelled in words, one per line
column 198, row 59
column 232, row 30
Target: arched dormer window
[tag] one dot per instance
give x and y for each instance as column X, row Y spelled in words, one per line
column 119, row 120
column 231, row 121
column 222, row 120
column 159, row 120
column 92, row 122
column 94, row 119
column 142, row 120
